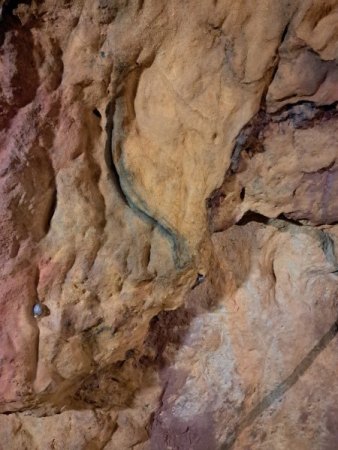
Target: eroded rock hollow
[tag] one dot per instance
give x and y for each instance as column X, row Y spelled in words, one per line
column 168, row 233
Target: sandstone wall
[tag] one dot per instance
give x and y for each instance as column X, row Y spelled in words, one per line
column 169, row 210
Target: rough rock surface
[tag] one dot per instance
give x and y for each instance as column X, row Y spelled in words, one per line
column 169, row 205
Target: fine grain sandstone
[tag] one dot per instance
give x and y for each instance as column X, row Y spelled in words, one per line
column 169, row 203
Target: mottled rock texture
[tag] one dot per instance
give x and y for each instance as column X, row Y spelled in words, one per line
column 169, row 200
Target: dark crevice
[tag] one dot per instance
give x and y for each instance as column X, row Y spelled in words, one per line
column 108, row 154
column 252, row 216
column 215, row 200
column 8, row 19
column 287, row 219
column 300, row 115
column 140, row 5
column 250, row 140
column 276, row 65
column 305, row 114
column 199, row 280
column 120, row 113
column 7, row 12
column 273, row 273
column 283, row 387
column 51, row 211
column 124, row 99
column 285, row 32
column 112, row 169
column 324, row 169
column 97, row 113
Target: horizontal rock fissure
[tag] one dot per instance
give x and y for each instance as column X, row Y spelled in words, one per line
column 253, row 216
column 303, row 114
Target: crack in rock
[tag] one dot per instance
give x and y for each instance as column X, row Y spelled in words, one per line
column 119, row 115
column 302, row 115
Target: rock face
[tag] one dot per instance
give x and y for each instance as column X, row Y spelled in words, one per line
column 169, row 211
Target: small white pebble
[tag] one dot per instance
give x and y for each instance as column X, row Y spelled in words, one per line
column 200, row 278
column 37, row 310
